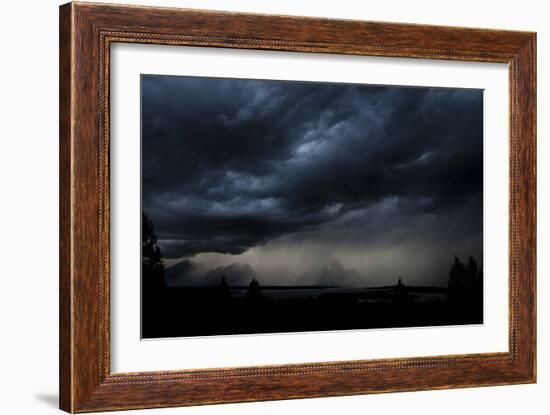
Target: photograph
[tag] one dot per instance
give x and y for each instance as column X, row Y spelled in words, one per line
column 275, row 206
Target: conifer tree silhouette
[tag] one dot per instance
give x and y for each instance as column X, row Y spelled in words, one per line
column 152, row 266
column 224, row 286
column 254, row 290
column 465, row 285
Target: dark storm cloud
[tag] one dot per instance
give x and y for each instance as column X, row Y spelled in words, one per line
column 233, row 164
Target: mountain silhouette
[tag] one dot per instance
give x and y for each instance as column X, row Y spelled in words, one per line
column 235, row 274
column 186, row 273
column 181, row 273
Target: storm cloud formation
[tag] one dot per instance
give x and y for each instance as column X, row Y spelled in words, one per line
column 388, row 180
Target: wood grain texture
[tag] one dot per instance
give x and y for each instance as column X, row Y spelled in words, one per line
column 65, row 138
column 86, row 33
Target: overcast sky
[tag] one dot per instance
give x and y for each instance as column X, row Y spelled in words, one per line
column 387, row 180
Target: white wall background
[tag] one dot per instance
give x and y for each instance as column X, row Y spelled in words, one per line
column 28, row 211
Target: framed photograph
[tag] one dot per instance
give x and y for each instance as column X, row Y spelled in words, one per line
column 258, row 207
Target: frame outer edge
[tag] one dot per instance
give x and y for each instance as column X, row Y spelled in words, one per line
column 534, row 172
column 523, row 111
column 84, row 208
column 66, row 119
column 528, row 193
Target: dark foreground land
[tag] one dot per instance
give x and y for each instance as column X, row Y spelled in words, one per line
column 204, row 311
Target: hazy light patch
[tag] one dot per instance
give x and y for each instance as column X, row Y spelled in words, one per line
column 333, row 208
column 311, row 150
column 423, row 159
column 244, row 206
column 240, row 181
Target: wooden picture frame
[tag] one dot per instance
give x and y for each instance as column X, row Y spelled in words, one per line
column 86, row 33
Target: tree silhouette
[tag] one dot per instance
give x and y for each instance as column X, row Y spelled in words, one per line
column 457, row 279
column 224, row 286
column 152, row 266
column 465, row 287
column 400, row 291
column 472, row 269
column 253, row 290
column 400, row 284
